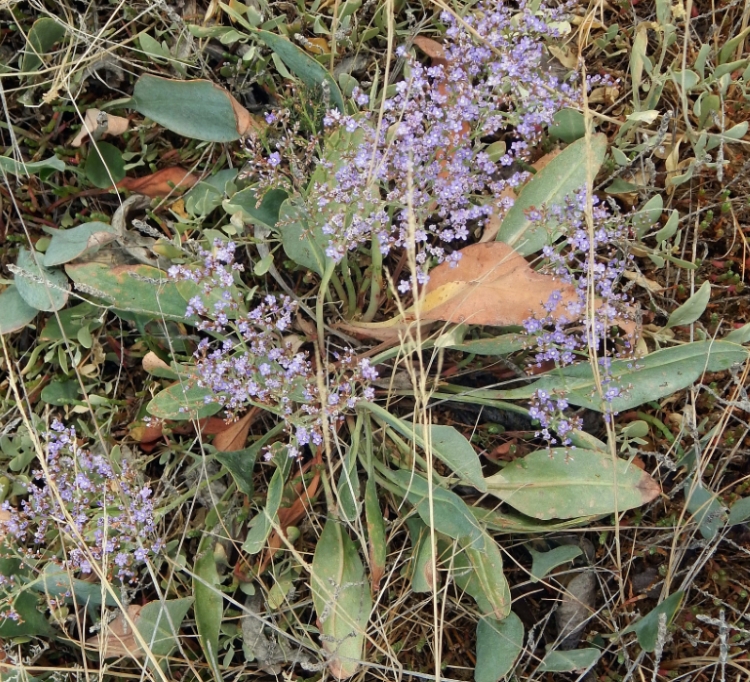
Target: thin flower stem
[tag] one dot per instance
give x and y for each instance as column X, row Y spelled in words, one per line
column 376, row 282
column 319, row 315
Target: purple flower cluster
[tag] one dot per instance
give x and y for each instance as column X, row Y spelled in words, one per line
column 103, row 515
column 429, row 153
column 255, row 364
column 583, row 257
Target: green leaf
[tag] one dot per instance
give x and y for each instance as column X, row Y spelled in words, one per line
column 342, row 599
column 209, row 602
column 302, row 65
column 728, row 49
column 487, row 569
column 67, row 245
column 197, row 108
column 445, row 442
column 739, row 512
column 377, row 543
column 740, row 335
column 707, row 510
column 42, row 289
column 691, row 309
column 670, row 227
column 134, row 288
column 568, row 661
column 450, row 513
column 15, row 313
column 647, row 628
column 562, row 483
column 568, row 125
column 43, row 34
column 32, row 623
column 105, row 166
column 60, row 393
column 499, row 643
column 658, row 374
column 159, row 624
column 246, row 200
column 348, row 488
column 647, row 215
column 562, row 177
column 263, row 522
column 59, row 583
column 304, row 244
column 240, row 464
column 183, row 401
column 208, row 194
column 421, row 564
column 544, row 562
column 45, row 167
column 500, row 345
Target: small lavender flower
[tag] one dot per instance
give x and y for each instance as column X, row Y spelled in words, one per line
column 255, row 365
column 108, row 513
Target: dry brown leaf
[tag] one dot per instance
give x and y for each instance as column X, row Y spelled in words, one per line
column 492, row 284
column 432, row 48
column 234, row 435
column 160, row 183
column 152, row 361
column 119, row 639
column 643, row 281
column 97, row 124
column 246, row 122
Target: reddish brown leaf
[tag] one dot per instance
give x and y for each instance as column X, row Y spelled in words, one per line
column 160, row 183
column 234, row 435
column 492, row 284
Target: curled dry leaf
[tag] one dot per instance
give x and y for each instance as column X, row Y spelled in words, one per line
column 494, row 285
column 98, row 124
column 118, row 639
column 152, row 361
column 161, row 183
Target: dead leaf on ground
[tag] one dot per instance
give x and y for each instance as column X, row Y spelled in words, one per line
column 391, row 331
column 152, row 361
column 160, row 183
column 494, row 285
column 119, row 639
column 98, row 124
column 234, row 435
column 432, row 48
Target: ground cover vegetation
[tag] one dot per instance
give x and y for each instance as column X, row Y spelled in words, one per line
column 374, row 340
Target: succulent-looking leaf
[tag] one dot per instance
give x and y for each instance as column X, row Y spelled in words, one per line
column 544, row 562
column 739, row 512
column 658, row 374
column 198, row 109
column 707, row 510
column 342, row 599
column 182, row 401
column 41, row 288
column 67, row 245
column 209, row 602
column 375, row 533
column 499, row 642
column 134, row 288
column 32, row 623
column 562, row 483
column 258, row 534
column 15, row 313
column 44, row 167
column 310, row 72
column 565, row 175
column 569, row 661
column 105, row 166
column 246, row 200
column 691, row 309
column 647, row 628
column 304, row 243
column 43, row 34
